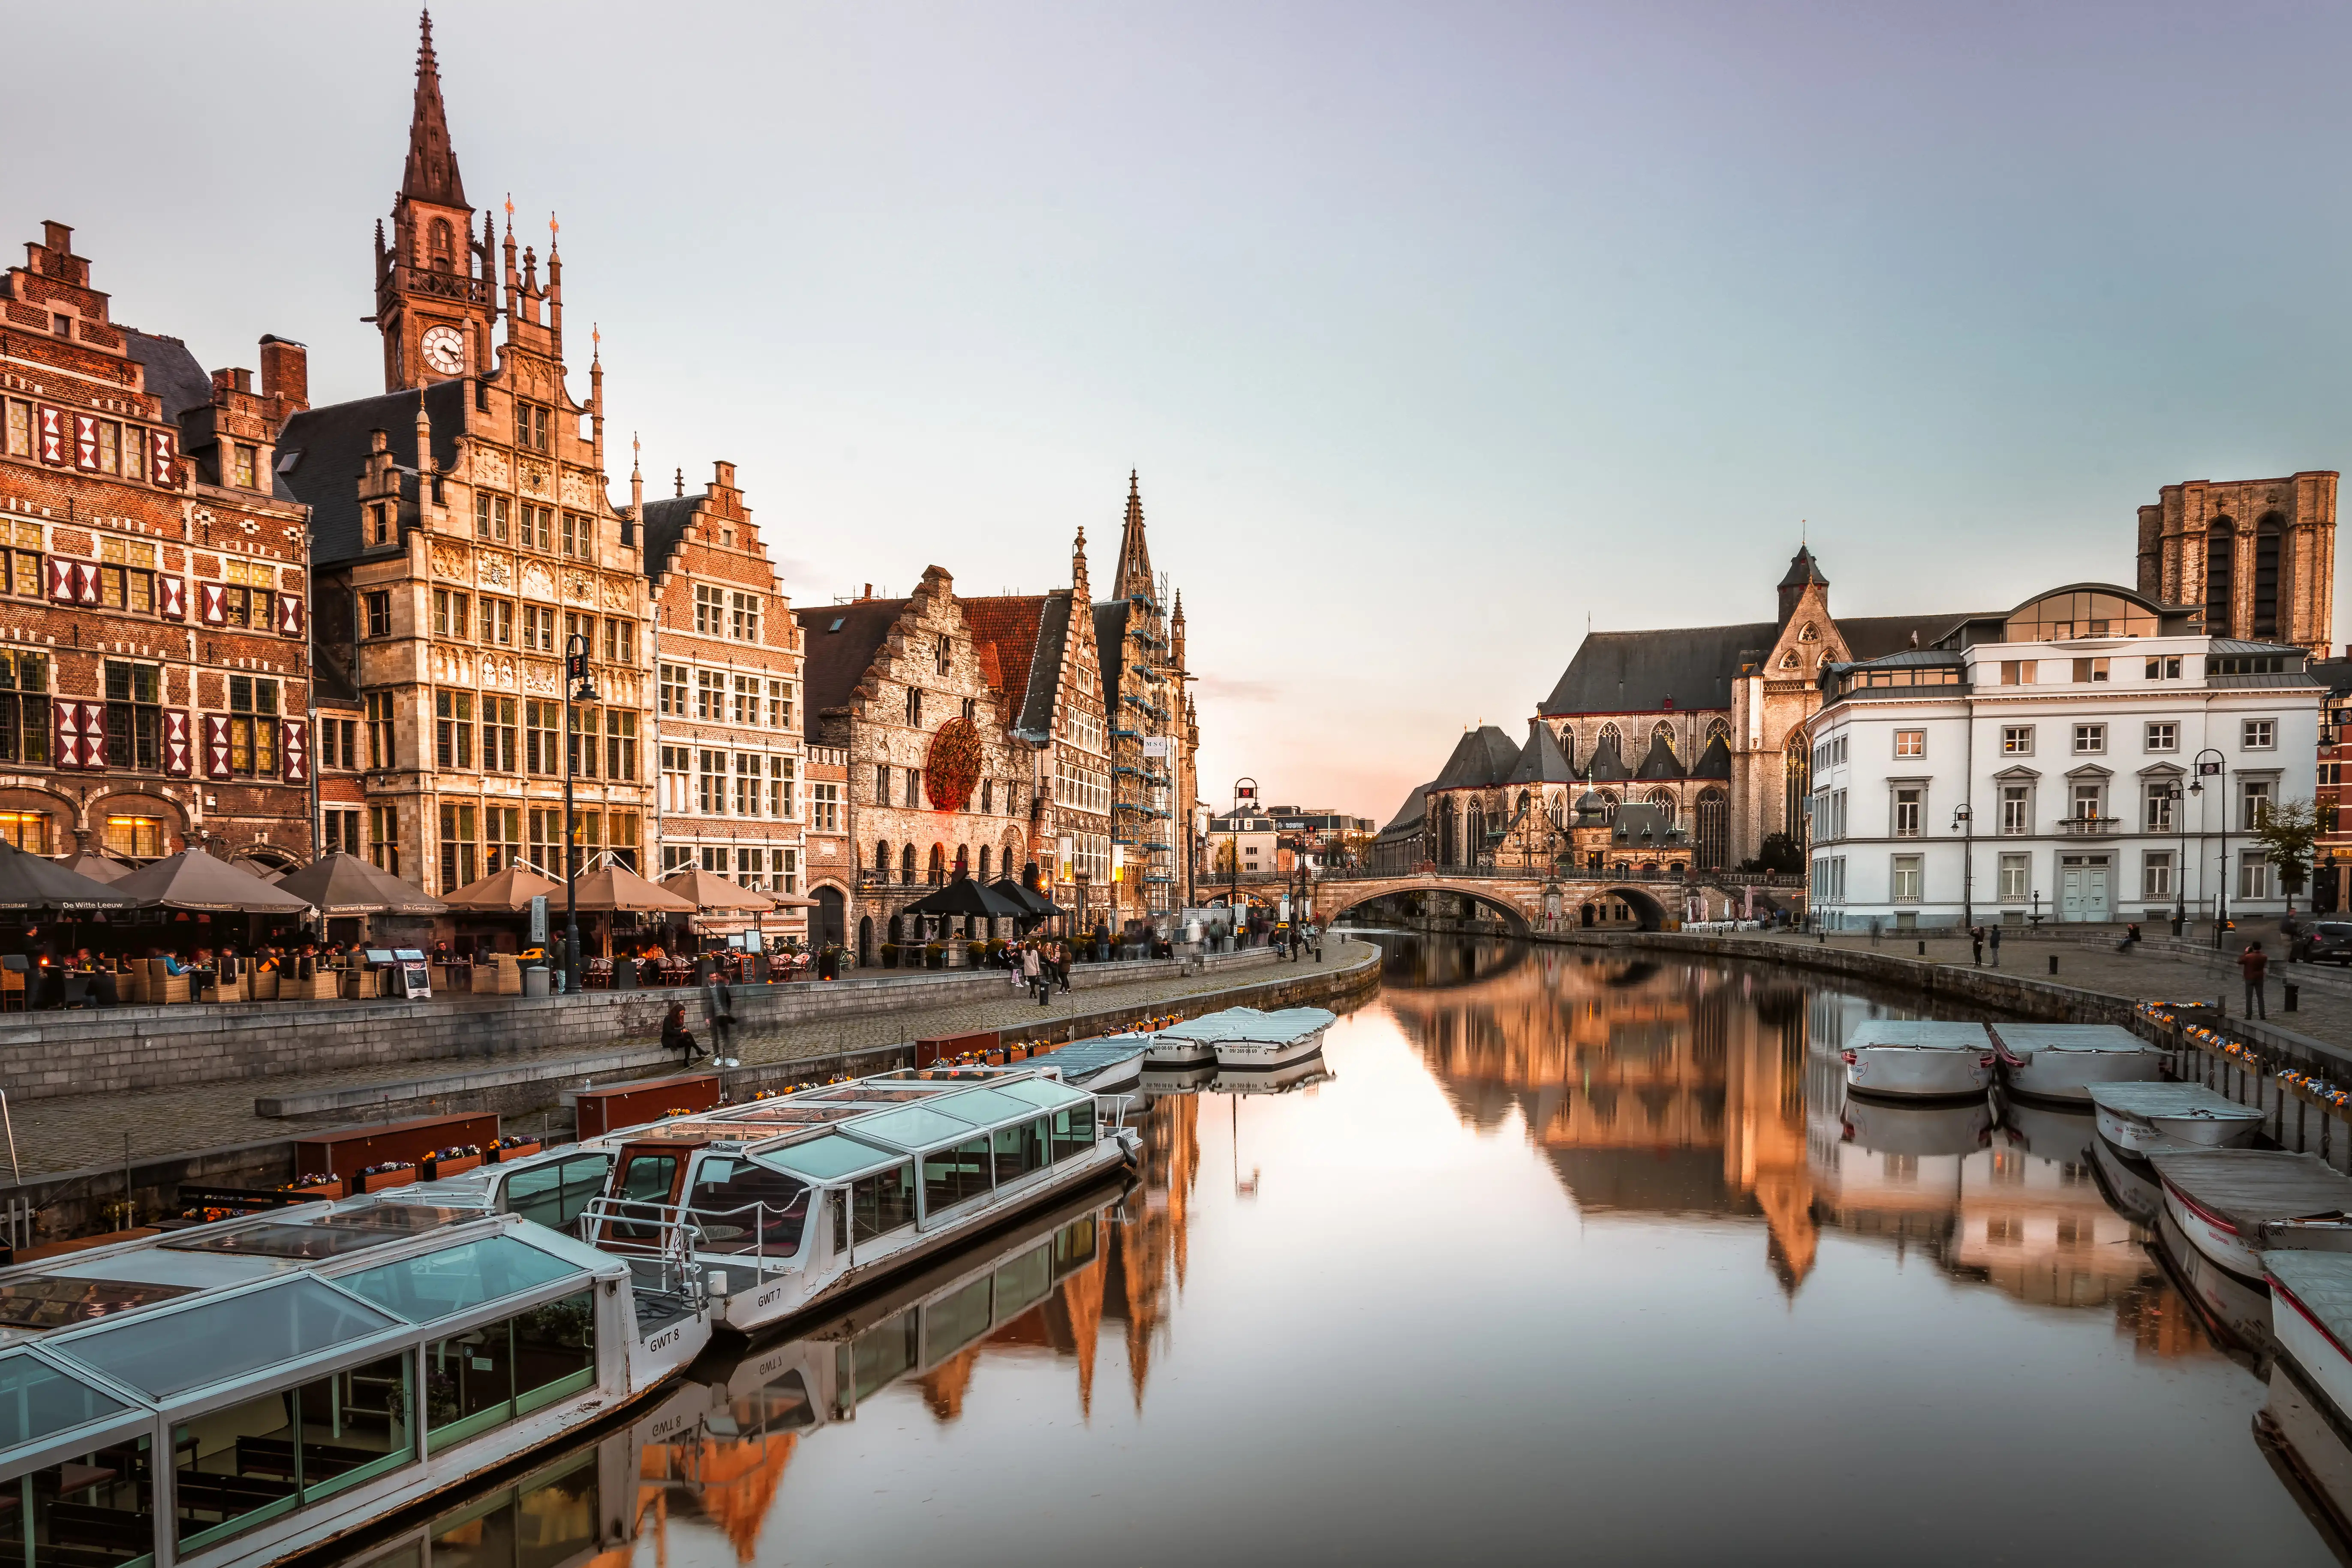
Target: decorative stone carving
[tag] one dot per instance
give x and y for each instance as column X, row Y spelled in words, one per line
column 616, row 594
column 534, row 478
column 448, row 561
column 506, row 675
column 576, row 490
column 539, row 677
column 580, row 587
column 538, row 582
column 490, row 468
column 497, row 571
column 489, row 673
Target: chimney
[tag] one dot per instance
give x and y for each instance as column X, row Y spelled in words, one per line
column 56, row 236
column 286, row 374
column 726, row 475
column 869, row 592
column 232, row 381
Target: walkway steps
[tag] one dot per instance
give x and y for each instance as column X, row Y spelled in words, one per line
column 569, row 1072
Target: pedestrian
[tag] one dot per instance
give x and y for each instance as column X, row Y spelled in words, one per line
column 677, row 1036
column 719, row 1003
column 2253, row 963
column 1062, row 962
column 1993, row 936
column 1030, row 966
column 1976, row 945
column 2131, row 937
column 1013, row 964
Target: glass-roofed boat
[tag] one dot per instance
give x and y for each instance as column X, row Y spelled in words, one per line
column 235, row 1393
column 779, row 1205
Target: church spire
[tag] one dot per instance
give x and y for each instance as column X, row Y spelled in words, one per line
column 1132, row 577
column 432, row 172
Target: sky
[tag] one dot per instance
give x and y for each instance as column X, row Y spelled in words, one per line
column 1437, row 333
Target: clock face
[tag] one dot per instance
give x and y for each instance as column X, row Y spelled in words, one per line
column 444, row 349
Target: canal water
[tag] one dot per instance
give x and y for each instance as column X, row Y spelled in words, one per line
column 1558, row 1254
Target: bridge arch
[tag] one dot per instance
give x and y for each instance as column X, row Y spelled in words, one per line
column 1514, row 915
column 1640, row 902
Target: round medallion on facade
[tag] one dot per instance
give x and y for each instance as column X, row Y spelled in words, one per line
column 951, row 769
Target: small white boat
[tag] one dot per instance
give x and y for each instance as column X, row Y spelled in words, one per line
column 1300, row 1074
column 1248, row 1039
column 2062, row 1061
column 2053, row 1131
column 2129, row 1183
column 2237, row 1311
column 2306, row 1444
column 2154, row 1118
column 1108, row 1064
column 2311, row 1319
column 1918, row 1058
column 1177, row 1081
column 2235, row 1205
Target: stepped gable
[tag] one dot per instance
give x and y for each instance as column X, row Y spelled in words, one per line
column 840, row 642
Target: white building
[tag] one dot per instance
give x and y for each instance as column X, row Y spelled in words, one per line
column 2093, row 756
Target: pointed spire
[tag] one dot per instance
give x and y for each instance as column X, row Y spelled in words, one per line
column 681, row 481
column 1132, row 577
column 1081, row 592
column 637, row 478
column 432, row 172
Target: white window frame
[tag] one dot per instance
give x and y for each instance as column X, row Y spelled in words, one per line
column 1906, row 878
column 2155, row 874
column 2091, row 740
column 2017, row 740
column 2014, row 872
column 1910, row 743
column 2168, row 741
column 2258, row 735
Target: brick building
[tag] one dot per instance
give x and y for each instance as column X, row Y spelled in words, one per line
column 2259, row 555
column 726, row 665
column 463, row 538
column 828, row 855
column 154, row 684
column 1154, row 733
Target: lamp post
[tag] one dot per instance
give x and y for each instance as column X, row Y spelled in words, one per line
column 2177, row 802
column 1244, row 789
column 579, row 686
column 2222, row 884
column 1964, row 817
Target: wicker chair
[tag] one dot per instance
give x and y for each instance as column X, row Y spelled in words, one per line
column 163, row 986
column 266, row 987
column 131, row 985
column 12, row 984
column 237, row 990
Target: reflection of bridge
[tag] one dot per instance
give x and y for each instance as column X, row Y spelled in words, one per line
column 1542, row 900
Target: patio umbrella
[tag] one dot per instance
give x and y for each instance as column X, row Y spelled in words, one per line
column 339, row 884
column 36, row 882
column 507, row 891
column 617, row 888
column 708, row 891
column 965, row 897
column 193, row 879
column 98, row 868
column 1031, row 904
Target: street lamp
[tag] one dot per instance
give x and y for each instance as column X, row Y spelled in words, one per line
column 1234, row 849
column 579, row 686
column 2222, row 886
column 2178, row 804
column 1964, row 819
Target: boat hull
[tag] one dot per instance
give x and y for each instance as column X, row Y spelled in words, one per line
column 2237, row 1307
column 1266, row 1056
column 2322, row 1362
column 2212, row 1236
column 1174, row 1055
column 1917, row 1072
column 2166, row 1134
column 2068, row 1075
column 2130, row 1181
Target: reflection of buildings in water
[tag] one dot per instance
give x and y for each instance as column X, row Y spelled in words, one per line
column 1658, row 1088
column 1426, row 963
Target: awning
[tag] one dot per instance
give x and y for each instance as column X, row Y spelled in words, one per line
column 98, row 868
column 35, row 882
column 1032, row 903
column 193, row 879
column 341, row 885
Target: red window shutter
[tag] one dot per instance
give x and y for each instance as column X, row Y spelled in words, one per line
column 179, row 753
column 85, row 582
column 294, row 750
column 93, row 736
column 86, row 442
column 171, row 598
column 162, row 453
column 61, row 581
column 216, row 745
column 290, row 616
column 49, row 434
column 66, row 745
column 212, row 603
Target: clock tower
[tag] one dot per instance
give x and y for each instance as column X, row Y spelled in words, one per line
column 434, row 297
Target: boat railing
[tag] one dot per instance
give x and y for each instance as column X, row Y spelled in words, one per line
column 1111, row 1108
column 620, row 1226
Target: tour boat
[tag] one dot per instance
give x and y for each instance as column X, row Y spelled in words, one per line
column 2235, row 1205
column 1918, row 1058
column 1917, row 1130
column 2063, row 1132
column 2311, row 1319
column 237, row 1393
column 782, row 1205
column 1244, row 1038
column 1108, row 1064
column 2062, row 1061
column 2151, row 1118
column 2237, row 1311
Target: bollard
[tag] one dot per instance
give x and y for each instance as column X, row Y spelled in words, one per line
column 2292, row 990
column 2054, row 963
column 1923, row 949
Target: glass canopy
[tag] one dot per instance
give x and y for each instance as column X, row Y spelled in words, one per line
column 37, row 1400
column 2080, row 613
column 52, row 1301
column 164, row 1353
column 980, row 1107
column 330, row 1235
column 914, row 1127
column 436, row 1284
column 830, row 1158
column 1042, row 1092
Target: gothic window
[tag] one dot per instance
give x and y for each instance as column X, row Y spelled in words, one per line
column 444, row 247
column 1609, row 805
column 1717, row 730
column 2266, row 576
column 882, row 860
column 906, row 865
column 1663, row 735
column 1611, row 740
column 1714, row 841
column 938, row 867
column 1523, row 805
column 1796, row 774
column 1664, row 799
column 1567, row 745
column 1789, row 659
column 1808, row 632
column 1476, row 837
column 2221, row 574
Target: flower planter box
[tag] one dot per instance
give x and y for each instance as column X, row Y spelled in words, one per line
column 363, row 1182
column 322, row 1190
column 436, row 1169
column 519, row 1151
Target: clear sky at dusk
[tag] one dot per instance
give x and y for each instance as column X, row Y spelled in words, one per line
column 1433, row 329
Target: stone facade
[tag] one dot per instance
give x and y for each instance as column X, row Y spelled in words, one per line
column 475, row 545
column 2258, row 555
column 726, row 665
column 1154, row 733
column 828, row 855
column 154, row 683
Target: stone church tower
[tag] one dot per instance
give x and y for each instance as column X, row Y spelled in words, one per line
column 2259, row 554
column 436, row 293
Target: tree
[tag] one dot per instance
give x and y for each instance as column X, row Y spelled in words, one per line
column 1780, row 853
column 2288, row 832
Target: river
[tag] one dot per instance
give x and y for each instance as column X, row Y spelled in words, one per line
column 1564, row 1256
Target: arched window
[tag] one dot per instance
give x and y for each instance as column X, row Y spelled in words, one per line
column 1663, row 735
column 1718, row 730
column 1476, row 837
column 1797, row 772
column 906, row 865
column 984, row 862
column 2220, row 575
column 1808, row 632
column 1522, row 814
column 1446, row 843
column 1567, row 745
column 1664, row 799
column 938, row 866
column 2266, row 576
column 1609, row 805
column 962, row 861
column 1789, row 659
column 1610, row 740
column 1714, row 836
column 444, row 245
column 882, row 859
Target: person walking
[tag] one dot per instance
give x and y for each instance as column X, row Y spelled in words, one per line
column 677, row 1036
column 1976, row 945
column 1993, row 934
column 718, row 1004
column 1030, row 965
column 2253, row 964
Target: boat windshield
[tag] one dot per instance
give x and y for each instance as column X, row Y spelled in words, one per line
column 166, row 1353
column 740, row 1207
column 51, row 1301
column 437, row 1284
column 37, row 1401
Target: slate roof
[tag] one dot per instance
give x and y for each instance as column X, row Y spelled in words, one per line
column 1484, row 756
column 1607, row 761
column 174, row 374
column 1803, row 569
column 1110, row 641
column 1541, row 760
column 1714, row 763
column 837, row 660
column 1413, row 813
column 665, row 521
column 322, row 450
column 2336, row 674
column 1642, row 825
column 1636, row 672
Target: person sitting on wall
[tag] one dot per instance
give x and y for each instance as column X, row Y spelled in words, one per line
column 677, row 1036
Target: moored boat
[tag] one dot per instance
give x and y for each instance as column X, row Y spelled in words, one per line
column 2062, row 1061
column 2311, row 1319
column 1918, row 1058
column 1961, row 1128
column 2235, row 1205
column 234, row 1394
column 1108, row 1063
column 1304, row 1073
column 2152, row 1118
column 1244, row 1038
column 2055, row 1131
column 2237, row 1311
column 2309, row 1446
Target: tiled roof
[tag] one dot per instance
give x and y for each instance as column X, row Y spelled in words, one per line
column 1714, row 763
column 173, row 374
column 840, row 641
column 1008, row 624
column 1638, row 672
column 1413, row 813
column 1542, row 761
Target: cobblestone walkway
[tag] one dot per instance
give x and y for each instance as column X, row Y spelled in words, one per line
column 72, row 1132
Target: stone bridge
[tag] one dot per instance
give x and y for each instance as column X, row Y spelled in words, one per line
column 1538, row 901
